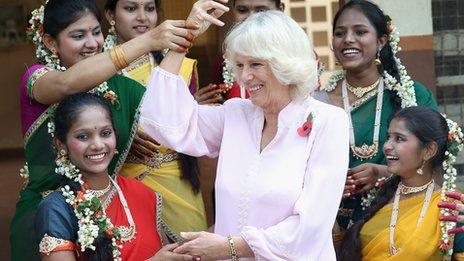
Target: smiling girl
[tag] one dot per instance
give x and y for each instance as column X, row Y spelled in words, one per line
column 69, row 44
column 402, row 222
column 122, row 215
column 372, row 86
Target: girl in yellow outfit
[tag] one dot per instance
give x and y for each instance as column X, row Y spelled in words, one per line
column 167, row 172
column 403, row 221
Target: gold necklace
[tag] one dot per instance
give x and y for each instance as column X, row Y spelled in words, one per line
column 395, row 209
column 365, row 151
column 101, row 192
column 405, row 190
column 360, row 91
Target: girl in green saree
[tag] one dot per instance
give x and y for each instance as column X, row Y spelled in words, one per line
column 371, row 88
column 68, row 35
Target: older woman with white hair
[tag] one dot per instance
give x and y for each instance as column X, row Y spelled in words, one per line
column 278, row 186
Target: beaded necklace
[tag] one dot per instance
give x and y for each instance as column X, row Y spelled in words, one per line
column 395, row 210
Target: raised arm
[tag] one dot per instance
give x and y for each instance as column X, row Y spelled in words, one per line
column 198, row 15
column 90, row 72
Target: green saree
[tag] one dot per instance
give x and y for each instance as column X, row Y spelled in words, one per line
column 363, row 119
column 40, row 157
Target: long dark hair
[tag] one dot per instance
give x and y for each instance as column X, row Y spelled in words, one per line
column 428, row 126
column 59, row 14
column 66, row 113
column 110, row 5
column 379, row 21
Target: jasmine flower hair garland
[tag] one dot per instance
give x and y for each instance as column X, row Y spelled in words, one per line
column 405, row 90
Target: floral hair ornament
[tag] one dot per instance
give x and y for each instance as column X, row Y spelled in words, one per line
column 455, row 145
column 90, row 213
column 307, row 126
column 227, row 74
column 35, row 34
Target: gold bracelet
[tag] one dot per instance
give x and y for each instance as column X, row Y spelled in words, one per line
column 232, row 250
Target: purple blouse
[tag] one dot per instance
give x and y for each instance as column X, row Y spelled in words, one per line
column 30, row 109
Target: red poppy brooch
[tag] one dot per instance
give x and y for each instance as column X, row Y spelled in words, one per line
column 307, row 126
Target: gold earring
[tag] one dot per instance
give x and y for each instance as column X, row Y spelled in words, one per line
column 116, row 152
column 377, row 59
column 112, row 30
column 54, row 54
column 420, row 170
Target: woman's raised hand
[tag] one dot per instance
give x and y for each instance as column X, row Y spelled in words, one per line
column 203, row 17
column 458, row 206
column 175, row 35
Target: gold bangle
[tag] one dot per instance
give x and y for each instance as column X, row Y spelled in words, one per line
column 118, row 58
column 112, row 54
column 232, row 250
column 121, row 57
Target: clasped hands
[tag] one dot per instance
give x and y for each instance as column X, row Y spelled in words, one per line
column 196, row 246
column 458, row 207
column 179, row 35
column 363, row 178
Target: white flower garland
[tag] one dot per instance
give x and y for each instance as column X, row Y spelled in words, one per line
column 110, row 41
column 455, row 145
column 228, row 74
column 89, row 211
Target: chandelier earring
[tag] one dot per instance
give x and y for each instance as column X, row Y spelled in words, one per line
column 377, row 59
column 112, row 30
column 420, row 170
column 110, row 40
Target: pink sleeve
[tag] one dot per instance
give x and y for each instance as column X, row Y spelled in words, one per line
column 307, row 234
column 171, row 116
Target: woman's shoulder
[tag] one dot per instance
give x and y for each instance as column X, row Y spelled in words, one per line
column 424, row 96
column 54, row 202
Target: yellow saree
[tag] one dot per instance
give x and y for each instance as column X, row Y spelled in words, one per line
column 183, row 210
column 415, row 242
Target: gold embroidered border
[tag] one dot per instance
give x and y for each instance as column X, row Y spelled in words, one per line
column 50, row 244
column 37, row 123
column 34, row 77
column 125, row 152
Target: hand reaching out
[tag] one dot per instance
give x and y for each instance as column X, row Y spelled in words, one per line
column 172, row 34
column 200, row 16
column 207, row 246
column 209, row 95
column 166, row 253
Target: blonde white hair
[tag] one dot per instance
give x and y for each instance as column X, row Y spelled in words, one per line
column 282, row 43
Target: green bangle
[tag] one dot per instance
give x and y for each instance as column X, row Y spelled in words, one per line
column 232, row 250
